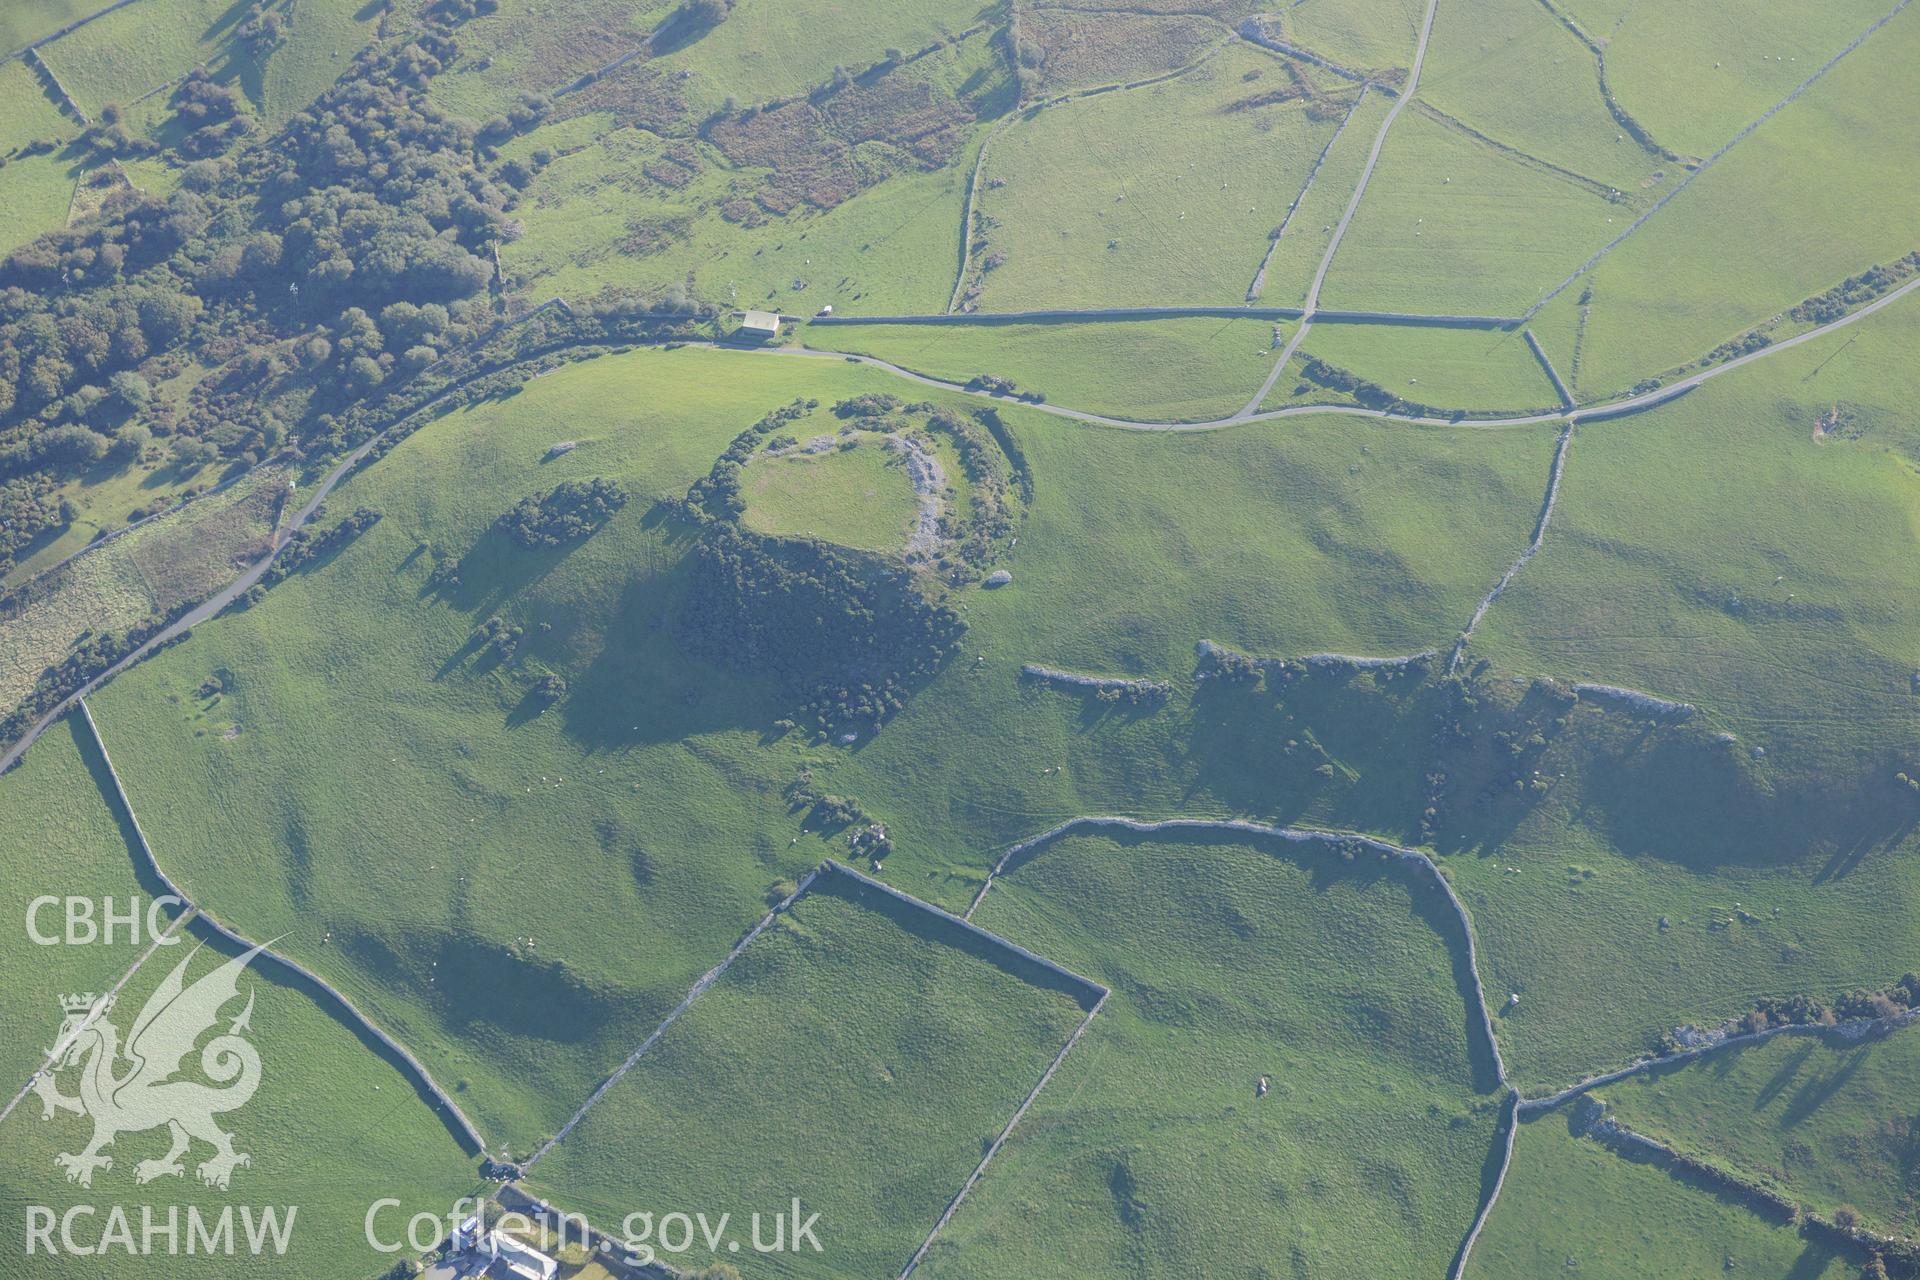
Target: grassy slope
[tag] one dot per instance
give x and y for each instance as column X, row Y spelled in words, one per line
column 185, row 555
column 857, row 497
column 370, row 755
column 1450, row 224
column 1714, row 538
column 78, row 848
column 1447, row 368
column 1572, row 1207
column 774, row 49
column 890, row 250
column 594, row 217
column 1661, row 60
column 1185, row 189
column 1156, row 370
column 1311, row 535
column 526, row 47
column 854, row 1056
column 322, row 39
column 141, row 47
column 422, row 799
column 1512, row 71
column 331, row 1129
column 1298, row 254
column 34, row 190
column 1664, row 520
column 1149, row 1153
column 1365, row 34
column 1807, row 200
column 1084, row 49
column 1575, row 927
column 1826, row 1122
column 28, row 20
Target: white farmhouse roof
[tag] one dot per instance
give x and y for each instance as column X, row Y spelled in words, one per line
column 762, row 322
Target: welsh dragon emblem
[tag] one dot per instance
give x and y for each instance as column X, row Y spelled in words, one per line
column 133, row 1087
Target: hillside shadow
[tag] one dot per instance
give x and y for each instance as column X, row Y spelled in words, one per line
column 641, row 688
column 495, row 570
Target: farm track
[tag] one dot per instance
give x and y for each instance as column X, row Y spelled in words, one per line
column 1250, row 411
column 1259, row 284
column 1709, row 162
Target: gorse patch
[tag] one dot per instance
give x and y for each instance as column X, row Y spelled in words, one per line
column 566, row 513
column 844, row 633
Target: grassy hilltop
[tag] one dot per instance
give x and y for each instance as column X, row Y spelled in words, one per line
column 530, row 714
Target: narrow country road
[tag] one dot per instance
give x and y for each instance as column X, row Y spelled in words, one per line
column 1593, row 413
column 1251, row 410
column 200, row 612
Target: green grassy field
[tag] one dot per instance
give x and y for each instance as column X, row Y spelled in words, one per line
column 1708, row 539
column 519, row 50
column 1150, row 1154
column 440, row 784
column 34, row 190
column 1317, row 534
column 859, row 1055
column 331, row 1129
column 424, row 798
column 126, row 54
column 81, row 850
column 616, row 206
column 1364, row 34
column 856, row 496
column 1573, row 1207
column 1801, row 204
column 1450, row 224
column 1696, row 74
column 1511, row 70
column 1472, row 369
column 773, row 49
column 29, row 20
column 1148, row 196
column 1826, row 1122
column 1693, row 547
column 892, row 250
column 1297, row 255
column 1645, row 836
column 1186, row 370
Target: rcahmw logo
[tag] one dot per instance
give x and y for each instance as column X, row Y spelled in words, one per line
column 137, row 1086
